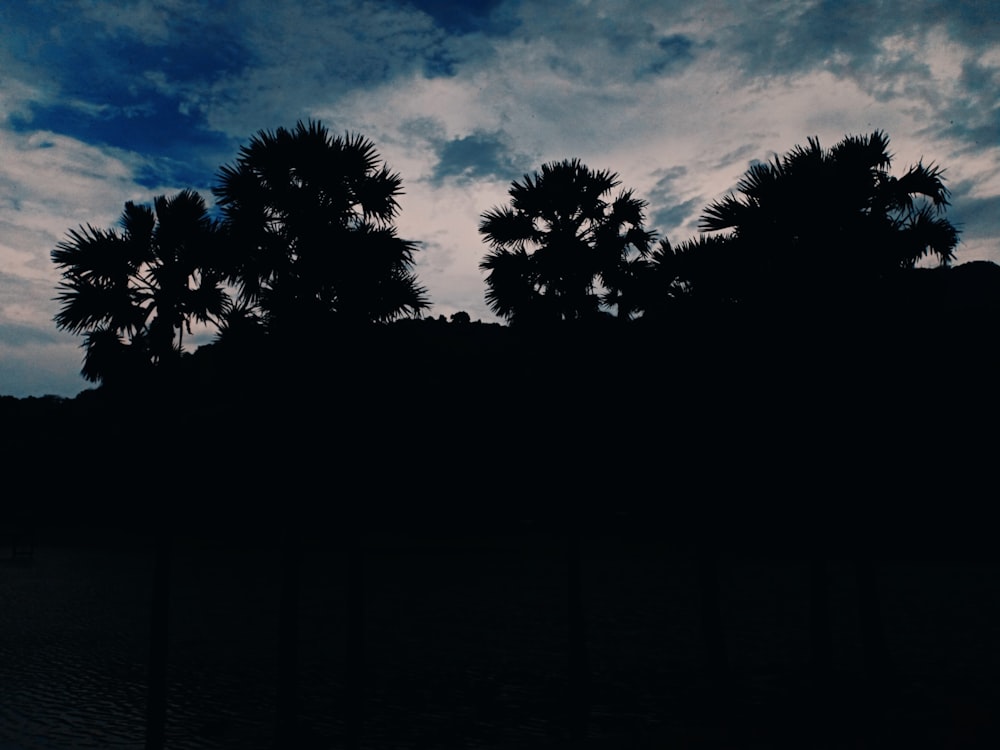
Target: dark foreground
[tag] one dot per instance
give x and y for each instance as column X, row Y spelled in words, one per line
column 723, row 535
column 467, row 643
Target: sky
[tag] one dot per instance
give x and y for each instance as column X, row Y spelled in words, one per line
column 106, row 101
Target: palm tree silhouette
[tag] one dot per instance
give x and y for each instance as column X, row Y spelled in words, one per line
column 309, row 221
column 704, row 267
column 133, row 291
column 818, row 220
column 561, row 249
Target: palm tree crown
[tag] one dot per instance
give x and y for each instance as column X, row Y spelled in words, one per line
column 133, row 291
column 309, row 217
column 562, row 249
column 829, row 216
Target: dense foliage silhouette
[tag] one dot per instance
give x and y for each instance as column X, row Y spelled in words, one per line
column 133, row 291
column 820, row 224
column 563, row 248
column 309, row 221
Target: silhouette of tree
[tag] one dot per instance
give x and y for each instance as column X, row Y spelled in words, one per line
column 133, row 291
column 818, row 220
column 561, row 249
column 309, row 219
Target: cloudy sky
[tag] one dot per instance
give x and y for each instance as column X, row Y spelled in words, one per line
column 104, row 101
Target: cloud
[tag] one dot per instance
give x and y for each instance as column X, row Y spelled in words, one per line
column 562, row 84
column 108, row 102
column 154, row 21
column 976, row 212
column 677, row 53
column 18, row 335
column 477, row 156
column 671, row 215
column 445, row 217
column 50, row 183
column 672, row 210
column 463, row 17
column 303, row 57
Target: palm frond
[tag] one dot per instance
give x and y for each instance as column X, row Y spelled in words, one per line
column 929, row 234
column 926, row 181
column 101, row 255
column 561, row 234
column 104, row 354
column 85, row 306
column 726, row 213
column 506, row 227
column 510, row 282
column 137, row 223
column 297, row 205
column 788, row 218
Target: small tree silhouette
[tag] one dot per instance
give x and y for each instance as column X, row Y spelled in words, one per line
column 561, row 249
column 132, row 292
column 309, row 220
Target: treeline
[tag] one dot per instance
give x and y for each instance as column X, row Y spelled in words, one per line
column 306, row 245
column 796, row 358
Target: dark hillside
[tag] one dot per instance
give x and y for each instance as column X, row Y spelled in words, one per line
column 758, row 424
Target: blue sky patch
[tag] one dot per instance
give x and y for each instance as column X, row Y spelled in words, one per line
column 476, row 156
